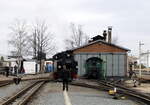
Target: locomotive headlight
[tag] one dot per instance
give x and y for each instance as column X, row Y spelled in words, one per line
column 59, row 66
column 56, row 57
column 68, row 55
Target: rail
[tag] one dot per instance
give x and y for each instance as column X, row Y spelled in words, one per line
column 4, row 84
column 120, row 89
column 27, row 92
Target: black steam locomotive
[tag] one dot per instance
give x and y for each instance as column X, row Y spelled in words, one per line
column 65, row 58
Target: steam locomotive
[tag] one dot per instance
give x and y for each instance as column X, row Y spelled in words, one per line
column 65, row 58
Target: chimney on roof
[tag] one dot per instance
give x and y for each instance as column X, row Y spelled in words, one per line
column 109, row 34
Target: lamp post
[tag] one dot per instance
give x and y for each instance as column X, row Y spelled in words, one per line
column 140, row 44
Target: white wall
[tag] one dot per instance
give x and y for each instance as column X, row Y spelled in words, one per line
column 145, row 60
column 30, row 67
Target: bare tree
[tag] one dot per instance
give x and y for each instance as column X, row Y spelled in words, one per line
column 41, row 40
column 78, row 37
column 86, row 39
column 18, row 39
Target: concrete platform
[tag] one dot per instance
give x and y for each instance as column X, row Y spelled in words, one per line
column 52, row 94
column 25, row 76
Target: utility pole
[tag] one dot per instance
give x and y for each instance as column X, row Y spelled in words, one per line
column 140, row 44
column 147, row 59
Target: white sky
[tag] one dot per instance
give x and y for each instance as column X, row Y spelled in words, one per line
column 130, row 19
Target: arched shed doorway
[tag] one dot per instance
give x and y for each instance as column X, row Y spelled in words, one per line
column 94, row 68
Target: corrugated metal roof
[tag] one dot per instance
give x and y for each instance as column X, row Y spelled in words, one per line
column 100, row 42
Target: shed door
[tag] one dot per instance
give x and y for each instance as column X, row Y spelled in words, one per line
column 121, row 65
column 94, row 68
column 109, row 65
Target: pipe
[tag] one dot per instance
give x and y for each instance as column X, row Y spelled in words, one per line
column 109, row 34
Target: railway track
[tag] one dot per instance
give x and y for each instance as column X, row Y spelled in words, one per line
column 4, row 84
column 120, row 89
column 130, row 92
column 23, row 96
column 8, row 82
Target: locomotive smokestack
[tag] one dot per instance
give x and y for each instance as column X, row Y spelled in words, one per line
column 105, row 35
column 109, row 34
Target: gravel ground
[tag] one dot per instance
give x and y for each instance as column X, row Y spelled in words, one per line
column 51, row 94
column 144, row 87
column 99, row 98
column 8, row 90
column 86, row 96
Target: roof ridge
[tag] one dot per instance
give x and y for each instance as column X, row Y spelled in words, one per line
column 102, row 42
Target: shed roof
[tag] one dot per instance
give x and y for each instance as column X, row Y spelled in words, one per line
column 101, row 41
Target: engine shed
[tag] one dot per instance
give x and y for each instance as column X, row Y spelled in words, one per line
column 108, row 59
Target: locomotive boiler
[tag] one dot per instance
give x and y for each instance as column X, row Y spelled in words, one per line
column 65, row 58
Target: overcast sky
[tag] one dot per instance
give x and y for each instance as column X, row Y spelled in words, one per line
column 130, row 19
